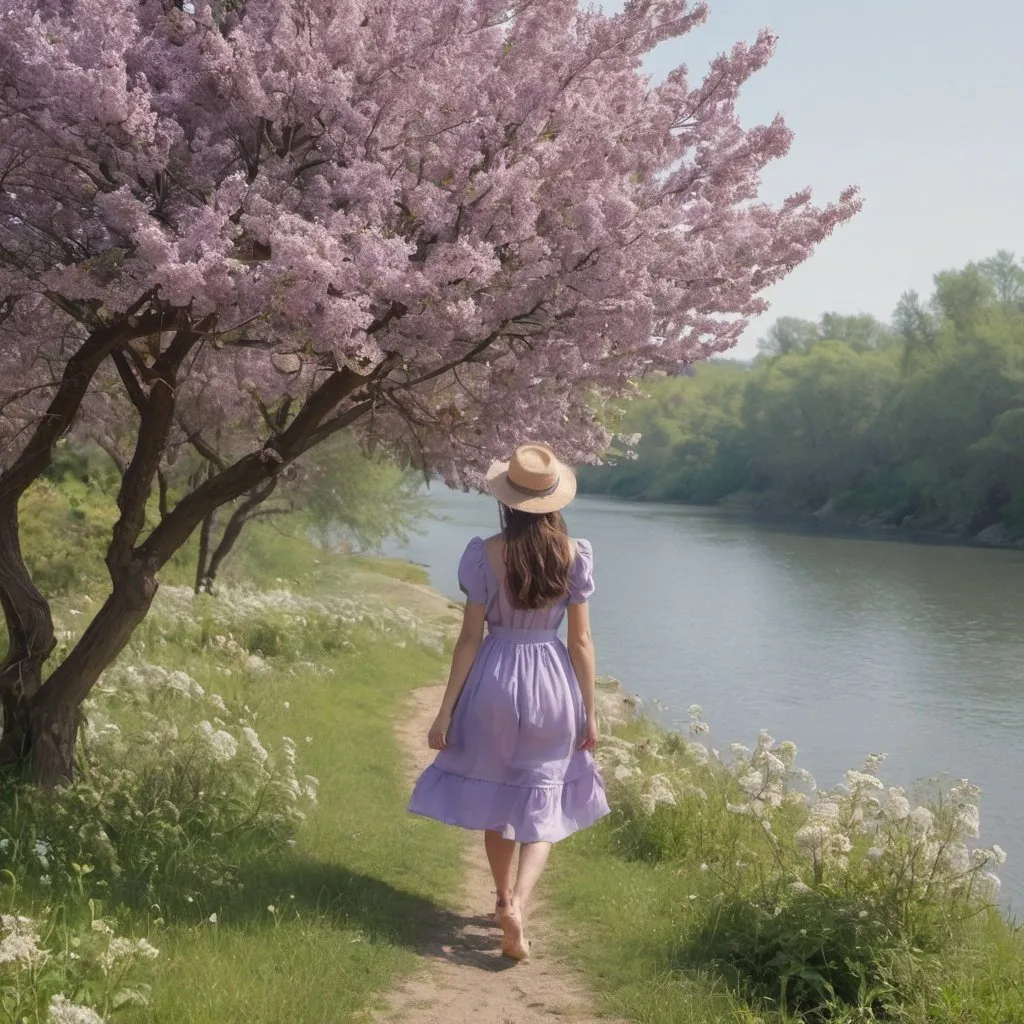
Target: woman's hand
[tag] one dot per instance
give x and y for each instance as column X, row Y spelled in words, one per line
column 590, row 734
column 437, row 738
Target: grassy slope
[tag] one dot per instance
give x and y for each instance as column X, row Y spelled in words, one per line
column 365, row 875
column 350, row 899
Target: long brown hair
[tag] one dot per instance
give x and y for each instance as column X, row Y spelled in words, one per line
column 538, row 557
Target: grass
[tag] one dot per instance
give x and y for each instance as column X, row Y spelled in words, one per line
column 647, row 919
column 317, row 933
column 352, row 901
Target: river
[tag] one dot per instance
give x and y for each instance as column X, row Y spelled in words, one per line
column 845, row 646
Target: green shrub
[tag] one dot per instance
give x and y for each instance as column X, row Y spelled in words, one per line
column 816, row 903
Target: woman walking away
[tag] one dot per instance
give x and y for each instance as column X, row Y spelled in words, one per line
column 517, row 722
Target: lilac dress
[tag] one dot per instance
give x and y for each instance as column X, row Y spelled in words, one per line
column 512, row 763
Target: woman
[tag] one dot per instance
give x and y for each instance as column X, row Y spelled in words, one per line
column 517, row 722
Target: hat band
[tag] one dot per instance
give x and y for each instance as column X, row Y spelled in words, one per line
column 530, row 492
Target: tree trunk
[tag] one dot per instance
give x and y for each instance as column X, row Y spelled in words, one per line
column 236, row 524
column 30, row 641
column 204, row 579
column 54, row 732
column 16, row 738
column 54, row 710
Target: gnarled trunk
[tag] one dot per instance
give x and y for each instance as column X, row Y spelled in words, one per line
column 54, row 711
column 30, row 641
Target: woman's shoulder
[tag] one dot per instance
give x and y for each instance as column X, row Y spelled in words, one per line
column 582, row 548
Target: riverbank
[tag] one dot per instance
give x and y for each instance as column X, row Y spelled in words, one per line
column 828, row 521
column 728, row 888
column 703, row 898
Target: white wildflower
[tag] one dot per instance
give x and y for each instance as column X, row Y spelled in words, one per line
column 799, row 888
column 212, row 919
column 968, row 821
column 825, row 811
column 922, row 821
column 752, row 783
column 786, row 752
column 989, row 885
column 20, row 947
column 956, row 859
column 896, row 806
column 253, row 739
column 222, row 744
column 811, row 839
column 117, row 952
column 862, row 781
column 101, row 926
column 63, row 1011
column 998, row 854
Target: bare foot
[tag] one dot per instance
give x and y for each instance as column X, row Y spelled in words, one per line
column 513, row 943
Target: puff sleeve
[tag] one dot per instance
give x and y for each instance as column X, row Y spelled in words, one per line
column 473, row 572
column 581, row 575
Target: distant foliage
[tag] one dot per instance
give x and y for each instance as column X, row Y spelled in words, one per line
column 919, row 423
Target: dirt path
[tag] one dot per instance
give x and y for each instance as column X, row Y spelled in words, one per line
column 465, row 979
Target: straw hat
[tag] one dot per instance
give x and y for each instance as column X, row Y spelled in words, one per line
column 532, row 481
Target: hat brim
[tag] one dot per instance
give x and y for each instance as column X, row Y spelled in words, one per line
column 498, row 484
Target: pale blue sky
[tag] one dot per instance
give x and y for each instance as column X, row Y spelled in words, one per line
column 919, row 102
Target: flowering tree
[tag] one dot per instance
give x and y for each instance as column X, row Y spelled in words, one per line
column 450, row 225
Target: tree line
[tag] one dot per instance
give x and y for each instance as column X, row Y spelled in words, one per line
column 918, row 422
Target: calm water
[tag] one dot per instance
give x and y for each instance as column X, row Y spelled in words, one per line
column 846, row 647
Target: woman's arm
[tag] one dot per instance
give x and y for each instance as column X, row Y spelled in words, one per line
column 581, row 654
column 466, row 647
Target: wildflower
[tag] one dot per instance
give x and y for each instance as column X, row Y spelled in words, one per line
column 271, row 908
column 253, row 739
column 212, row 919
column 897, row 806
column 799, row 888
column 810, row 840
column 989, row 885
column 752, row 783
column 956, row 859
column 20, row 947
column 222, row 744
column 121, row 949
column 967, row 820
column 63, row 1011
column 862, row 781
column 786, row 752
column 826, row 812
column 101, row 926
column 998, row 854
column 922, row 821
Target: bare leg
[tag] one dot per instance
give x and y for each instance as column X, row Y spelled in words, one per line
column 532, row 859
column 501, row 853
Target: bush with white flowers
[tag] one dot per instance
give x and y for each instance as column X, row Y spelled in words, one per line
column 812, row 899
column 53, row 973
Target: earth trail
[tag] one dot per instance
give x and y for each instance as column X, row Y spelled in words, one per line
column 465, row 979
